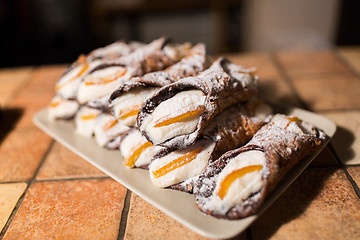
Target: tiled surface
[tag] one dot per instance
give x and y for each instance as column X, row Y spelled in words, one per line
column 9, row 196
column 21, row 153
column 355, row 174
column 334, row 91
column 352, row 56
column 147, row 222
column 62, row 163
column 321, row 204
column 82, row 209
column 346, row 141
column 309, row 63
column 47, row 192
column 11, row 80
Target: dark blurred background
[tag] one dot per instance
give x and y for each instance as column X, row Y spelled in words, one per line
column 56, row 31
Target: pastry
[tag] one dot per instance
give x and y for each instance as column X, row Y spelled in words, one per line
column 235, row 185
column 60, row 108
column 136, row 150
column 176, row 115
column 230, row 129
column 126, row 101
column 85, row 120
column 108, row 131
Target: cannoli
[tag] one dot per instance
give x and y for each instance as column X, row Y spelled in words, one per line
column 108, row 131
column 85, row 120
column 136, row 150
column 126, row 101
column 230, row 129
column 155, row 56
column 114, row 50
column 176, row 115
column 61, row 108
column 69, row 82
column 235, row 185
column 104, row 79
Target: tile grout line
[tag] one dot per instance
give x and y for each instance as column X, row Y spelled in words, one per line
column 288, row 79
column 21, row 199
column 342, row 59
column 344, row 167
column 353, row 183
column 124, row 215
column 71, row 179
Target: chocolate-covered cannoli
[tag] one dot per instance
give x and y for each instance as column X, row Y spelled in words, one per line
column 155, row 56
column 85, row 120
column 136, row 150
column 178, row 113
column 68, row 84
column 61, row 108
column 113, row 50
column 231, row 129
column 126, row 101
column 235, row 185
column 104, row 79
column 108, row 131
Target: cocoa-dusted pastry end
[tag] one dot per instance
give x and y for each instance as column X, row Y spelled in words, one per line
column 235, row 185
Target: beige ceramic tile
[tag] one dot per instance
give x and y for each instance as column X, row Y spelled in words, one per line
column 352, row 56
column 147, row 222
column 272, row 86
column 346, row 140
column 21, row 153
column 85, row 209
column 12, row 79
column 62, row 163
column 261, row 61
column 321, row 204
column 329, row 91
column 300, row 63
column 37, row 94
column 9, row 196
column 277, row 90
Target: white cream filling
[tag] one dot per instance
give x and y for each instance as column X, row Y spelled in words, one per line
column 180, row 174
column 293, row 124
column 68, row 85
column 88, row 92
column 179, row 103
column 242, row 187
column 61, row 108
column 130, row 99
column 85, row 120
column 134, row 140
column 104, row 136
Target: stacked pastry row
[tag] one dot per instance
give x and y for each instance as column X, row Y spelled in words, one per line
column 196, row 125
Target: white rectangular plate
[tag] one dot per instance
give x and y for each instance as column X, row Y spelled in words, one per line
column 178, row 205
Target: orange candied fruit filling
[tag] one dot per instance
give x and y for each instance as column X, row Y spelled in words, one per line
column 55, row 104
column 106, row 80
column 229, row 179
column 167, row 119
column 130, row 161
column 129, row 112
column 180, row 161
column 80, row 73
column 109, row 124
column 89, row 116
